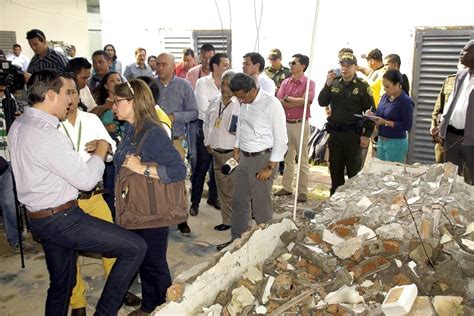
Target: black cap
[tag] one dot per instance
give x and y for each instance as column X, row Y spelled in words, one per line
column 375, row 54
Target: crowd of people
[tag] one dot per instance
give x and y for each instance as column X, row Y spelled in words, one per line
column 85, row 120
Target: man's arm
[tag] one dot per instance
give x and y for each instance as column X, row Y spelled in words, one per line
column 190, row 109
column 201, row 95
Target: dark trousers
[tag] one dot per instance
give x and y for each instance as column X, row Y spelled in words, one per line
column 344, row 153
column 203, row 165
column 459, row 154
column 154, row 272
column 109, row 193
column 64, row 233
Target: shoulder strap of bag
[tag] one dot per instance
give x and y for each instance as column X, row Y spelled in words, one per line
column 142, row 142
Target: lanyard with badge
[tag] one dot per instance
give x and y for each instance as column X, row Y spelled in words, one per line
column 218, row 121
column 78, row 136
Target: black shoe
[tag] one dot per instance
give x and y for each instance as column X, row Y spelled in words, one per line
column 131, row 299
column 194, row 209
column 222, row 227
column 222, row 246
column 214, row 203
column 78, row 311
column 184, row 228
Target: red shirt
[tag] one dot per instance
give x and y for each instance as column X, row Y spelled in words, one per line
column 296, row 88
column 181, row 71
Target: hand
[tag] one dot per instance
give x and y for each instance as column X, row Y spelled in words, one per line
column 101, row 148
column 236, row 154
column 330, row 78
column 172, row 118
column 369, row 113
column 434, row 130
column 379, row 121
column 92, row 145
column 133, row 163
column 264, row 174
column 364, row 141
column 328, row 111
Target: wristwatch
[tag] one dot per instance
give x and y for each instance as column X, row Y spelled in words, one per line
column 146, row 173
column 285, row 98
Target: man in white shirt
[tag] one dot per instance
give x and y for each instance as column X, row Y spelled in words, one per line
column 84, row 130
column 261, row 143
column 219, row 138
column 18, row 58
column 207, row 89
column 254, row 66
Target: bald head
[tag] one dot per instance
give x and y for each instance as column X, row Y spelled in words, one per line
column 165, row 67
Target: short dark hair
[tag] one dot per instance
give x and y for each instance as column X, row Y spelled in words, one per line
column 100, row 52
column 16, row 45
column 207, row 48
column 115, row 52
column 71, row 76
column 242, row 82
column 41, row 82
column 153, row 85
column 75, row 65
column 303, row 59
column 150, row 57
column 394, row 76
column 189, row 52
column 216, row 59
column 256, row 58
column 35, row 33
column 394, row 58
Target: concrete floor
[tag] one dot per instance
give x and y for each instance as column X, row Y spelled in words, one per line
column 23, row 291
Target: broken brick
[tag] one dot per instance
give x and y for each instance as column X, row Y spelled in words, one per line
column 370, row 266
column 343, row 231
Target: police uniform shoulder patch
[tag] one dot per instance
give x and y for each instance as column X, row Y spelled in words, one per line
column 335, row 89
column 355, row 91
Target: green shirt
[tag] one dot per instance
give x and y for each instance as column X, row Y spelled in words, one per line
column 278, row 75
column 446, row 90
column 347, row 99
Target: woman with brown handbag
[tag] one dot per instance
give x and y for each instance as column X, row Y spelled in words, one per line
column 156, row 158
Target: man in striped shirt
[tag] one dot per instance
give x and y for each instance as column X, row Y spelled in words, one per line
column 45, row 58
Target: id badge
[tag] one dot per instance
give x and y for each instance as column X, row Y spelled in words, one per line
column 217, row 123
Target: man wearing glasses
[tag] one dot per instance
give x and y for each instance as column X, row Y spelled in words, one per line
column 45, row 58
column 292, row 97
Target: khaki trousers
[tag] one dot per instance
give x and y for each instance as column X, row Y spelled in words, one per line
column 294, row 131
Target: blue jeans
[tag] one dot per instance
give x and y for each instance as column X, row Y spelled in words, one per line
column 7, row 203
column 203, row 165
column 154, row 272
column 62, row 234
column 392, row 149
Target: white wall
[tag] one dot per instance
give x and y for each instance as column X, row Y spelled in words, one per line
column 361, row 25
column 60, row 20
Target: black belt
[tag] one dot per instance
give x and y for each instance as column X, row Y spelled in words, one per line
column 247, row 154
column 454, row 130
column 222, row 151
column 85, row 195
column 294, row 121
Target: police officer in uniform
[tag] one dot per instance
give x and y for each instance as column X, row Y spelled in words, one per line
column 346, row 95
column 446, row 90
column 276, row 71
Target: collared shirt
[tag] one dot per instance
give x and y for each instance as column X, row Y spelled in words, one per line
column 194, row 74
column 458, row 117
column 48, row 171
column 266, row 83
column 134, row 70
column 181, row 71
column 262, row 125
column 52, row 61
column 278, row 75
column 206, row 91
column 21, row 61
column 178, row 98
column 116, row 66
column 86, row 128
column 217, row 122
column 86, row 98
column 296, row 88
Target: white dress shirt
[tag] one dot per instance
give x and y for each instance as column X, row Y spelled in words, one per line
column 87, row 127
column 216, row 123
column 87, row 98
column 266, row 84
column 458, row 117
column 206, row 91
column 21, row 61
column 262, row 125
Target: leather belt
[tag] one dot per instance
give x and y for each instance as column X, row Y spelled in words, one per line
column 222, row 151
column 247, row 154
column 454, row 130
column 51, row 211
column 85, row 195
column 178, row 137
column 294, row 121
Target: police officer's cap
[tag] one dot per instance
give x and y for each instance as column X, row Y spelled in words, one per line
column 274, row 54
column 348, row 58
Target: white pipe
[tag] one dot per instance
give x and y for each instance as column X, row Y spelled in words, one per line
column 305, row 109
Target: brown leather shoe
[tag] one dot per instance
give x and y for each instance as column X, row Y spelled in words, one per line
column 281, row 192
column 78, row 311
column 131, row 299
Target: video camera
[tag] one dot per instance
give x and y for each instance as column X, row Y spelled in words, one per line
column 11, row 76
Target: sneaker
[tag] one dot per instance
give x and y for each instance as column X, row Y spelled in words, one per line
column 302, row 197
column 26, row 246
column 281, row 192
column 184, row 228
column 194, row 209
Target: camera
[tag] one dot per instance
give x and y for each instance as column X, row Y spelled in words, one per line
column 11, row 76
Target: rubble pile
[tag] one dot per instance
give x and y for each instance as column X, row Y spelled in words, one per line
column 412, row 229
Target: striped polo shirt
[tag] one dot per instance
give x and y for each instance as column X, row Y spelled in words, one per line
column 52, row 61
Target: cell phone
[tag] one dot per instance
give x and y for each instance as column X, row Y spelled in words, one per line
column 367, row 117
column 337, row 71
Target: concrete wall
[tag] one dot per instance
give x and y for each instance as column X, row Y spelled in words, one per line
column 60, row 20
column 361, row 25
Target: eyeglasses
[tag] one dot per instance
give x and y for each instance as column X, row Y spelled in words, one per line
column 292, row 63
column 131, row 89
column 116, row 101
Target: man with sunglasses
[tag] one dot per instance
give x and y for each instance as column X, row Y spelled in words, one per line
column 44, row 58
column 292, row 96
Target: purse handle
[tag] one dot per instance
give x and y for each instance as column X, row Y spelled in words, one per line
column 141, row 143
